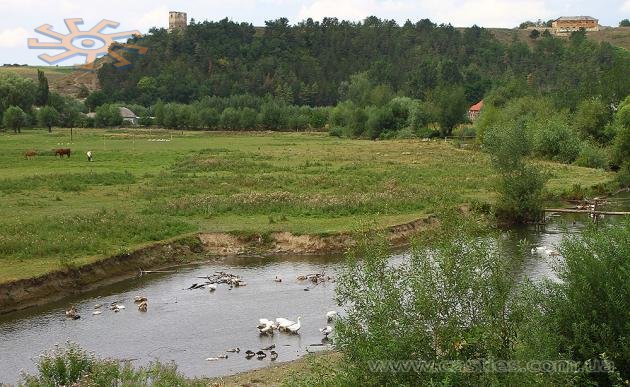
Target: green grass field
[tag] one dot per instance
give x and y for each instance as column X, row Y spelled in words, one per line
column 57, row 212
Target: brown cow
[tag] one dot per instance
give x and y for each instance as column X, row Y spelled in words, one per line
column 61, row 152
column 30, row 154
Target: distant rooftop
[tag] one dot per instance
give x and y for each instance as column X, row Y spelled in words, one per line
column 127, row 113
column 576, row 18
column 476, row 107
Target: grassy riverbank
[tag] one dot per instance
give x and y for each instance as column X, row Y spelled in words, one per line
column 148, row 185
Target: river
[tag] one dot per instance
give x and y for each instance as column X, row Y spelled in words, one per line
column 188, row 326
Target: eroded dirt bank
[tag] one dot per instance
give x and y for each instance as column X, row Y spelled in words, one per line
column 25, row 293
column 307, row 244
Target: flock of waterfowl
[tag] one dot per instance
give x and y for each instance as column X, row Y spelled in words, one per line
column 265, row 326
column 141, row 302
column 261, row 354
column 281, row 324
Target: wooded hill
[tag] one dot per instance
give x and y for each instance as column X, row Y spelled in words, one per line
column 310, row 63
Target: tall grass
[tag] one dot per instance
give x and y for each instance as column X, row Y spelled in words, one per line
column 66, row 182
column 99, row 232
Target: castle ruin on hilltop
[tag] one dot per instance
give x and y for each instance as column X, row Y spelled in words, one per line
column 177, row 20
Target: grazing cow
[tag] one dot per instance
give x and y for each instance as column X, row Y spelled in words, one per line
column 30, row 154
column 61, row 152
column 89, row 155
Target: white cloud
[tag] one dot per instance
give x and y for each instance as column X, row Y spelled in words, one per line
column 158, row 17
column 489, row 13
column 319, row 9
column 626, row 6
column 13, row 37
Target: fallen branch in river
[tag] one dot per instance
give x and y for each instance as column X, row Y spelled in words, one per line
column 143, row 272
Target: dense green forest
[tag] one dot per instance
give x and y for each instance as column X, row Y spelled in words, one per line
column 305, row 63
column 309, row 63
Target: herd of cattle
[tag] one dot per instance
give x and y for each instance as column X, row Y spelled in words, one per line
column 29, row 154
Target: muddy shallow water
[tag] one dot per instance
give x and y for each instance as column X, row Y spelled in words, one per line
column 188, row 326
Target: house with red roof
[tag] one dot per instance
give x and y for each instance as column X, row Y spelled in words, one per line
column 474, row 110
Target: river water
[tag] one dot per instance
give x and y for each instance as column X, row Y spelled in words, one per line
column 188, row 326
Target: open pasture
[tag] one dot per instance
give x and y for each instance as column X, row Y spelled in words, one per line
column 147, row 185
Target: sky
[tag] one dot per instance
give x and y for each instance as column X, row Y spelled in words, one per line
column 19, row 18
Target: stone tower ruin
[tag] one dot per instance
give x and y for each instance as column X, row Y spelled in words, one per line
column 177, row 20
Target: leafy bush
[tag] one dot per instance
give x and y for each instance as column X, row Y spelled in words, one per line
column 319, row 117
column 108, row 115
column 585, row 314
column 248, row 118
column 554, row 139
column 336, row 131
column 429, row 131
column 405, row 133
column 623, row 175
column 591, row 118
column 230, row 119
column 209, row 117
column 455, row 298
column 379, row 120
column 621, row 147
column 450, row 300
column 422, row 114
column 592, row 156
column 71, row 365
column 464, row 130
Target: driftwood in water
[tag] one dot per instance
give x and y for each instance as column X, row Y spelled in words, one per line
column 143, row 272
column 580, row 211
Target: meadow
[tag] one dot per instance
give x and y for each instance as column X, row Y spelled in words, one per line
column 147, row 185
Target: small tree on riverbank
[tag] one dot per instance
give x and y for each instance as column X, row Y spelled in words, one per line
column 521, row 183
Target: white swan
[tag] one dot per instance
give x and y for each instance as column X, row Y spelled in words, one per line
column 284, row 323
column 326, row 330
column 331, row 315
column 545, row 251
column 212, row 287
column 263, row 322
column 295, row 327
column 267, row 330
